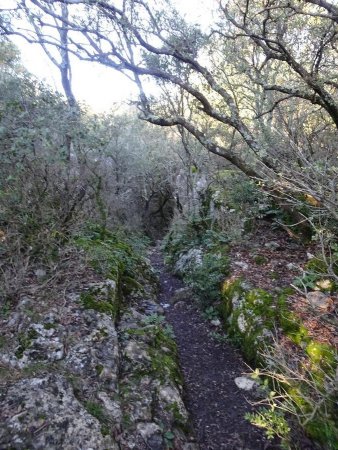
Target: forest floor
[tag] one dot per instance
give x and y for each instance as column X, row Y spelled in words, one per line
column 270, row 260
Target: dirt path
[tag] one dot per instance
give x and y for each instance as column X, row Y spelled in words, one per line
column 217, row 406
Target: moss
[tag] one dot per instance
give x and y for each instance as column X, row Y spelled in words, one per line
column 25, row 341
column 248, row 315
column 301, row 336
column 135, row 331
column 103, row 332
column 290, row 322
column 175, row 410
column 316, row 265
column 96, row 410
column 38, row 368
column 49, row 326
column 260, row 259
column 90, row 300
column 274, row 275
column 259, row 302
column 99, row 369
column 231, row 290
column 325, row 431
column 3, row 341
column 164, row 365
column 129, row 284
column 321, row 354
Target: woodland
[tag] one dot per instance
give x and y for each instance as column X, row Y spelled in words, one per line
column 226, row 167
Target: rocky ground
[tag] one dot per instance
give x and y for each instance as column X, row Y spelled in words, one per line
column 78, row 372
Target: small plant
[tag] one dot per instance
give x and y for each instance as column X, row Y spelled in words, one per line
column 260, row 259
column 306, row 281
column 169, row 331
column 169, row 439
column 210, row 313
column 154, row 319
column 219, row 337
column 304, row 389
column 272, row 421
column 206, row 279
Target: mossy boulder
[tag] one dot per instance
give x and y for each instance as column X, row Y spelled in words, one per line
column 248, row 315
column 102, row 297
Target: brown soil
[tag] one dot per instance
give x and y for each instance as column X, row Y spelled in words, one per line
column 217, row 406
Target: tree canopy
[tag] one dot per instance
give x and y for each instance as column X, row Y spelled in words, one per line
column 257, row 86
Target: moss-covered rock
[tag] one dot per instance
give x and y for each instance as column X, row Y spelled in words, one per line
column 248, row 316
column 102, row 297
column 251, row 317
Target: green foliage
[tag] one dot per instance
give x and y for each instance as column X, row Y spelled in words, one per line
column 317, row 273
column 154, row 319
column 165, row 329
column 169, row 439
column 260, row 259
column 205, row 279
column 113, row 257
column 98, row 411
column 321, row 354
column 25, row 341
column 219, row 337
column 210, row 313
column 273, row 421
column 196, row 232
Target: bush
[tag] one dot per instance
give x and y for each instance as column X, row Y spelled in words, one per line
column 206, row 278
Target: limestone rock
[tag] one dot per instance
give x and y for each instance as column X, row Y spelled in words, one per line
column 216, row 322
column 182, row 294
column 243, row 265
column 92, row 376
column 188, row 261
column 41, row 413
column 245, row 383
column 272, row 245
column 319, row 300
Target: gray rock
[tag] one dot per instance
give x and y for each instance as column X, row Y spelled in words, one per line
column 182, row 294
column 272, row 245
column 152, row 435
column 319, row 300
column 40, row 273
column 188, row 261
column 245, row 383
column 215, row 322
column 43, row 413
column 190, row 446
column 243, row 265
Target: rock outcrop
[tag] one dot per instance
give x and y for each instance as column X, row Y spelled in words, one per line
column 99, row 373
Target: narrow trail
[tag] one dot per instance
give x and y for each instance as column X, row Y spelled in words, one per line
column 217, row 406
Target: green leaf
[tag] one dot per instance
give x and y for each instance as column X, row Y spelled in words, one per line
column 169, row 435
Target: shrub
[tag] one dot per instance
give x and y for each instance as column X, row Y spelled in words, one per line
column 206, row 278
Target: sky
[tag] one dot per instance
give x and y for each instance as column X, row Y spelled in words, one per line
column 98, row 86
